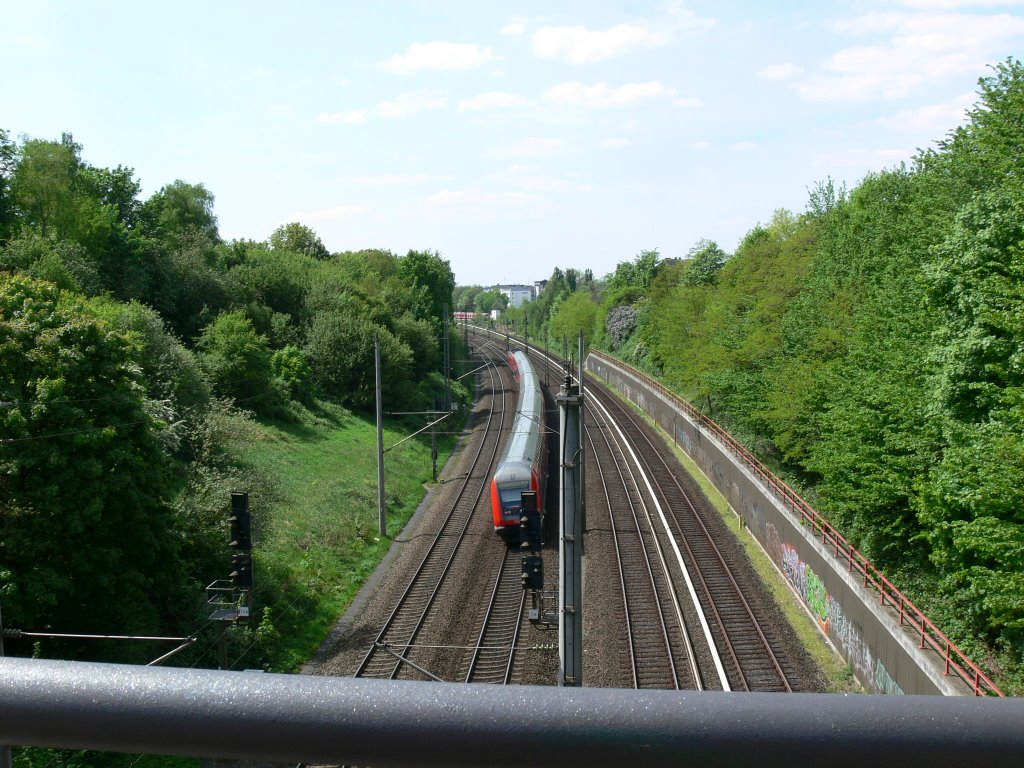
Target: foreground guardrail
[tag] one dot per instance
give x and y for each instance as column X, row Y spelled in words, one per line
column 956, row 662
column 250, row 716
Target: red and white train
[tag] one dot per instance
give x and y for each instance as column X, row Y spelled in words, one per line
column 523, row 465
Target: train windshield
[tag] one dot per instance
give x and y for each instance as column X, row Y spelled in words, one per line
column 512, row 498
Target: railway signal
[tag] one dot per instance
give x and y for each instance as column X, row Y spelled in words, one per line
column 241, row 542
column 531, row 538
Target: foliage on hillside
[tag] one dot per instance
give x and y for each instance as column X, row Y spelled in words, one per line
column 136, row 347
column 870, row 349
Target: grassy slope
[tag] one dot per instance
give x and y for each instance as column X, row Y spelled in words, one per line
column 317, row 537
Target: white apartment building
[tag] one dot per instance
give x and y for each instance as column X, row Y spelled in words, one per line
column 517, row 294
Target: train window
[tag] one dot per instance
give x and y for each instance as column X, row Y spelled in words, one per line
column 512, row 498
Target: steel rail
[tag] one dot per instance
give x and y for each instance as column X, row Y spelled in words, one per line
column 679, row 542
column 696, row 676
column 957, row 662
column 495, row 648
column 687, row 578
column 650, row 582
column 705, row 629
column 716, row 597
column 442, row 550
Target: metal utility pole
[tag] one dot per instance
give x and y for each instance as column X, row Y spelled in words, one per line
column 381, row 504
column 433, row 440
column 583, row 442
column 447, row 365
column 570, row 565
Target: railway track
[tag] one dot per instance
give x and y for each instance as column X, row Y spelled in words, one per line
column 653, row 517
column 495, row 650
column 655, row 628
column 393, row 652
column 750, row 649
column 686, row 617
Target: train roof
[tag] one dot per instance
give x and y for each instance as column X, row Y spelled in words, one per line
column 527, row 425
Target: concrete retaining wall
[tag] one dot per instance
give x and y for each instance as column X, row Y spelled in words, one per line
column 884, row 653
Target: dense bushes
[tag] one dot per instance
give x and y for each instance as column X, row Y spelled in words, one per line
column 871, row 347
column 135, row 345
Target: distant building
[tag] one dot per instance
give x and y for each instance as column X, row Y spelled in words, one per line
column 517, row 294
column 538, row 286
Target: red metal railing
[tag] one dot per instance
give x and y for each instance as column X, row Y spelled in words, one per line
column 956, row 661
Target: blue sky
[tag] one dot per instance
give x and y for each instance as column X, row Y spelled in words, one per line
column 510, row 137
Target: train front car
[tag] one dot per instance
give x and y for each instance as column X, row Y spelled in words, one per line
column 523, row 464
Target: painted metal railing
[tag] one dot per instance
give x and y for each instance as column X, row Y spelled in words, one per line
column 336, row 721
column 956, row 662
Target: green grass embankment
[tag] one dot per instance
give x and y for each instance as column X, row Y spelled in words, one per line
column 317, row 535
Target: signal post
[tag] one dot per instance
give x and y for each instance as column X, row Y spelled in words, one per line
column 570, row 529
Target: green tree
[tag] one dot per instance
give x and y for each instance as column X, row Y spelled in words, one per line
column 180, row 209
column 298, row 238
column 485, row 301
column 189, row 289
column 464, row 295
column 8, row 156
column 637, row 274
column 290, row 366
column 86, row 541
column 974, row 499
column 44, row 186
column 704, row 261
column 579, row 312
column 428, row 272
column 236, row 361
column 63, row 262
column 339, row 349
column 278, row 280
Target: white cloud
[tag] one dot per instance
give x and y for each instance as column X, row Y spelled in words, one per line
column 531, row 179
column 743, row 146
column 493, row 100
column 329, row 214
column 601, row 95
column 401, row 106
column 919, row 48
column 616, row 142
column 581, row 45
column 437, row 55
column 950, row 5
column 531, row 147
column 932, row 120
column 780, row 72
column 350, row 117
column 409, row 104
column 395, row 180
column 701, row 145
column 462, row 198
column 515, row 27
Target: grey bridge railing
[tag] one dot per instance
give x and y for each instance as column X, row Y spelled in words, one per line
column 290, row 718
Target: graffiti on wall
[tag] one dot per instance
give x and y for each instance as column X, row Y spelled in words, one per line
column 682, row 438
column 844, row 633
